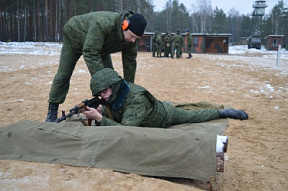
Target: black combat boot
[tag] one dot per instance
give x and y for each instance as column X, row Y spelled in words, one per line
column 190, row 56
column 52, row 112
column 232, row 113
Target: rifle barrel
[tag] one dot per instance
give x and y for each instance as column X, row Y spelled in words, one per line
column 94, row 102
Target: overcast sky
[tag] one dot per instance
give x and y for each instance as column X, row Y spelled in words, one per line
column 243, row 6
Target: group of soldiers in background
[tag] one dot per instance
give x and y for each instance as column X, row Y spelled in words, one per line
column 171, row 44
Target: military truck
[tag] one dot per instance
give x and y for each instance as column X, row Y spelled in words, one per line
column 254, row 42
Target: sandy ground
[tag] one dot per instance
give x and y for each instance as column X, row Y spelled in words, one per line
column 258, row 147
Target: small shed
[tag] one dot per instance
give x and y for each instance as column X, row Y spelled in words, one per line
column 145, row 42
column 210, row 43
column 273, row 41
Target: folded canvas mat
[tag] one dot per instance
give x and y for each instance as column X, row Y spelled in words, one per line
column 186, row 151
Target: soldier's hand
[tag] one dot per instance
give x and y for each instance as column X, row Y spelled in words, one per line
column 92, row 113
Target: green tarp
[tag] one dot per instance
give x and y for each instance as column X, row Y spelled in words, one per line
column 186, row 151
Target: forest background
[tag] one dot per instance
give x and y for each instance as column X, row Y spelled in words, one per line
column 42, row 20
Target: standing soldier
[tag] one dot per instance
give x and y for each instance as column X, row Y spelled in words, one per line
column 167, row 41
column 189, row 43
column 177, row 41
column 95, row 36
column 154, row 44
column 159, row 44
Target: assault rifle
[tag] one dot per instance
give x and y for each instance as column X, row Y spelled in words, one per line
column 94, row 102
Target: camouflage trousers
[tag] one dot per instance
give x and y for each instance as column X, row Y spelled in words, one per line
column 68, row 60
column 176, row 48
column 176, row 115
column 167, row 51
column 166, row 114
column 154, row 50
column 189, row 49
column 159, row 50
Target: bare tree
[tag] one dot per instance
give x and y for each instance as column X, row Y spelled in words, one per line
column 168, row 14
column 194, row 17
column 205, row 12
column 25, row 21
column 234, row 22
column 34, row 21
column 46, row 21
column 18, row 22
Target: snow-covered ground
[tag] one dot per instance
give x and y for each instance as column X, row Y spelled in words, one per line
column 277, row 60
column 30, row 48
column 236, row 53
column 25, row 55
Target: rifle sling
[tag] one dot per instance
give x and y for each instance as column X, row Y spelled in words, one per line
column 109, row 113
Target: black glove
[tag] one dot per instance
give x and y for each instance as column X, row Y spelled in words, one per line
column 232, row 113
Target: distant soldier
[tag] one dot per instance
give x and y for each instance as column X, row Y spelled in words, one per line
column 189, row 43
column 154, row 44
column 177, row 41
column 167, row 44
column 95, row 36
column 159, row 44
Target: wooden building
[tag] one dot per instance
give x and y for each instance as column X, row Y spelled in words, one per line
column 273, row 41
column 211, row 43
column 145, row 42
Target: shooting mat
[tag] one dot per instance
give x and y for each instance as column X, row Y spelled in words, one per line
column 186, row 151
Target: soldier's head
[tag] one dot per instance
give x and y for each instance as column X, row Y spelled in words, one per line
column 178, row 32
column 187, row 31
column 134, row 27
column 106, row 83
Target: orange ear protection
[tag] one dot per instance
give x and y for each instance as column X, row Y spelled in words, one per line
column 125, row 25
column 126, row 22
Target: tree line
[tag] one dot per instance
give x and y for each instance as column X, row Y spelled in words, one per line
column 43, row 20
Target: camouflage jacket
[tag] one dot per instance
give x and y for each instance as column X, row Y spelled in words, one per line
column 137, row 107
column 154, row 42
column 189, row 40
column 100, row 33
column 158, row 39
column 177, row 40
column 167, row 39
